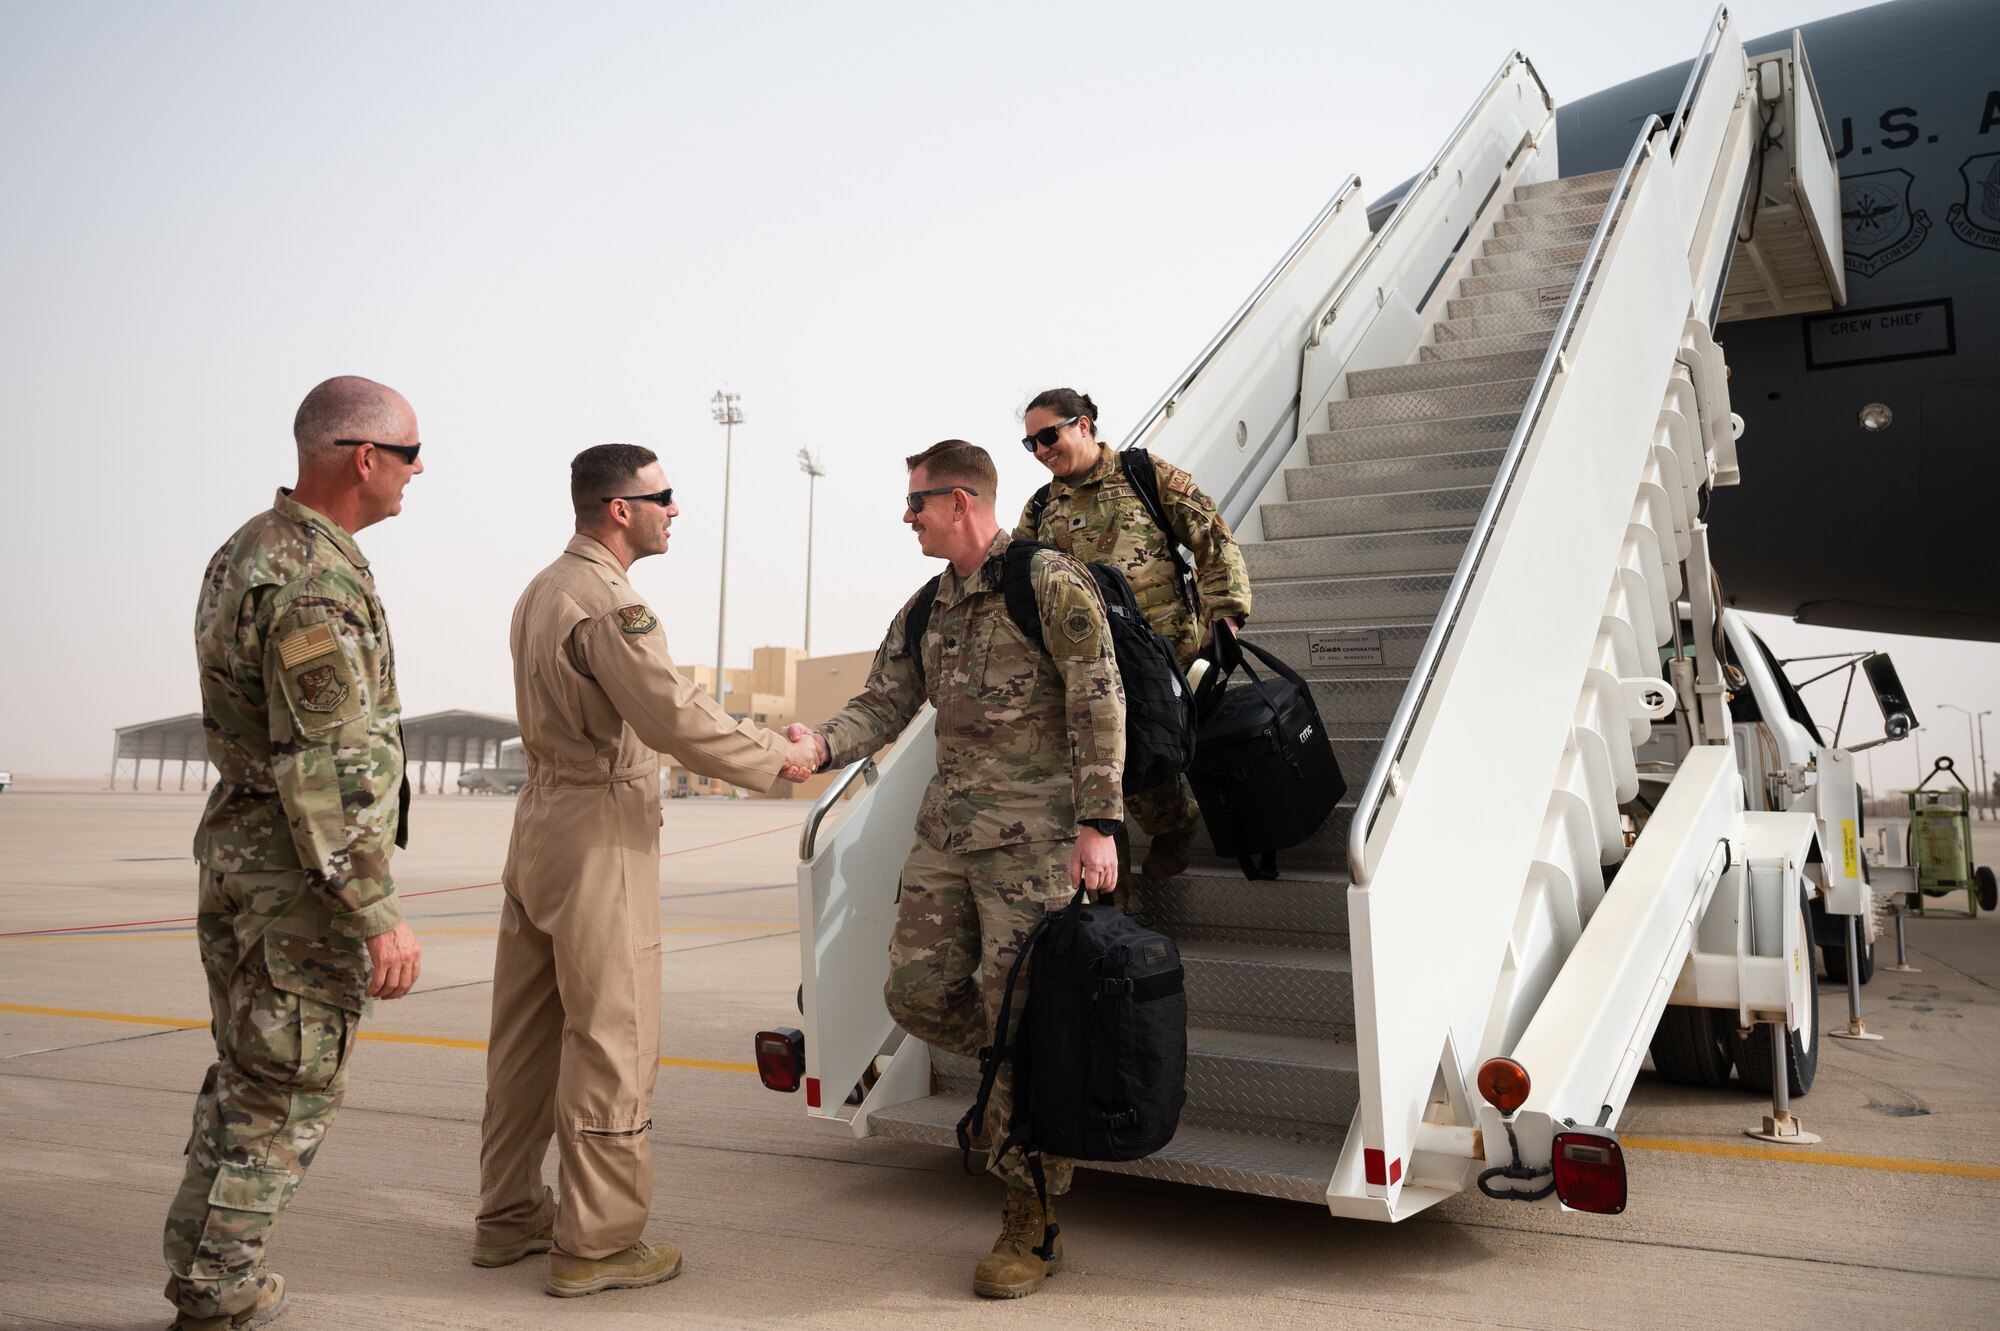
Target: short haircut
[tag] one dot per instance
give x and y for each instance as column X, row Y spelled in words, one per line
column 955, row 462
column 346, row 407
column 604, row 471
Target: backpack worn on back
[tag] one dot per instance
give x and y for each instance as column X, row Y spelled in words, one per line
column 1100, row 1052
column 1264, row 772
column 1159, row 705
column 1137, row 465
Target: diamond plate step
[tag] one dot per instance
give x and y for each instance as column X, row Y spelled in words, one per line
column 1428, row 404
column 1526, row 279
column 1215, row 903
column 1540, row 238
column 1486, row 346
column 1590, row 184
column 1431, row 550
column 1554, row 256
column 1325, row 850
column 1369, row 598
column 1388, row 475
column 1418, row 375
column 1270, row 990
column 1373, row 513
column 1371, row 443
column 1203, row 1157
column 1496, row 325
column 1514, row 225
column 1555, row 205
column 1549, row 296
column 1401, row 643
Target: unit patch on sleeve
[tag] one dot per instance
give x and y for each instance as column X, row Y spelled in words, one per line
column 321, row 689
column 299, row 648
column 636, row 619
column 1179, row 481
column 1075, row 625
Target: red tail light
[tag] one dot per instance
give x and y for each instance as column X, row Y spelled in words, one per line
column 1590, row 1172
column 781, row 1058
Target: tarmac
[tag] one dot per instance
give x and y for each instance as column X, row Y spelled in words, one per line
column 1894, row 1219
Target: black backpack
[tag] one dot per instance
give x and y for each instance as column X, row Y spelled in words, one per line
column 1100, row 1052
column 1159, row 705
column 1264, row 772
column 1137, row 464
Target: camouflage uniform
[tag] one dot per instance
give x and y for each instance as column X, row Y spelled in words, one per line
column 301, row 714
column 1029, row 741
column 1098, row 518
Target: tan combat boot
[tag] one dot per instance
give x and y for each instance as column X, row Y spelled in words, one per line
column 270, row 1302
column 506, row 1254
column 635, row 1267
column 1012, row 1270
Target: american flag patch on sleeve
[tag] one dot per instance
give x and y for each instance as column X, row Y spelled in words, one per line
column 301, row 647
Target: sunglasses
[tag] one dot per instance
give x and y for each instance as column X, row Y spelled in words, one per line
column 1046, row 438
column 663, row 498
column 915, row 499
column 407, row 452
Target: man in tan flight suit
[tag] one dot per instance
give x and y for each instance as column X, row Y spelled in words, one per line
column 576, row 976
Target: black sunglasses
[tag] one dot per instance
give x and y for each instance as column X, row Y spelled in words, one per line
column 915, row 499
column 407, row 452
column 1047, row 436
column 663, row 498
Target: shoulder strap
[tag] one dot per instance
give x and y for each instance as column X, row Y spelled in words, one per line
column 917, row 621
column 1017, row 584
column 1037, row 505
column 1138, row 467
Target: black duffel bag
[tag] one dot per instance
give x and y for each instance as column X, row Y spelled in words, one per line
column 1263, row 772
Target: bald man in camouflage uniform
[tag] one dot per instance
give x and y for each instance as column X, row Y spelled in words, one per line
column 1024, row 805
column 298, row 920
column 1093, row 512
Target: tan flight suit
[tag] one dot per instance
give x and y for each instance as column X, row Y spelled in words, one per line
column 576, row 976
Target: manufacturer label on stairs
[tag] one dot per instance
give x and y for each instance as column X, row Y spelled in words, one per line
column 1324, row 648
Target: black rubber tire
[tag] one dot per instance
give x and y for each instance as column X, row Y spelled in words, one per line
column 1694, row 1046
column 1989, row 890
column 1753, row 1054
column 1836, row 961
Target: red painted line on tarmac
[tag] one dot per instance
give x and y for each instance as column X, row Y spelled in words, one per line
column 427, row 892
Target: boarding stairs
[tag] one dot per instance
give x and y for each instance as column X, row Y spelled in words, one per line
column 1468, row 504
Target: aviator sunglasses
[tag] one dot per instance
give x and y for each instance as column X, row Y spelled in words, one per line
column 407, row 452
column 1047, row 436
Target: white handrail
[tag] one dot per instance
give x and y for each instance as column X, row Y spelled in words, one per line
column 1697, row 72
column 1430, row 174
column 1370, row 803
column 838, row 787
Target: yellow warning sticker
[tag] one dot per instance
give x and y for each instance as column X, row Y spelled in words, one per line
column 1850, row 850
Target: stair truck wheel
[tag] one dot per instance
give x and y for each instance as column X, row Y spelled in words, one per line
column 1989, row 890
column 1753, row 1053
column 1694, row 1046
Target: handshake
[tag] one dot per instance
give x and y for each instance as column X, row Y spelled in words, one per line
column 806, row 753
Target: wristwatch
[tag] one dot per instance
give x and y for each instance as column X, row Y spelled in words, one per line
column 1102, row 826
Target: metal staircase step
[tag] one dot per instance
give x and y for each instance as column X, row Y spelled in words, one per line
column 1554, row 205
column 1212, row 902
column 1590, row 184
column 1514, row 225
column 1496, row 325
column 1421, row 375
column 1326, row 849
column 1373, row 513
column 1369, row 598
column 1540, row 238
column 1465, row 467
column 1270, row 990
column 1426, row 550
column 1412, row 439
column 1401, row 641
column 1524, row 279
column 1486, row 346
column 1428, row 404
column 1552, row 296
column 1568, row 253
column 1203, row 1157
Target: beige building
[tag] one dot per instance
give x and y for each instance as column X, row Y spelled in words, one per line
column 781, row 686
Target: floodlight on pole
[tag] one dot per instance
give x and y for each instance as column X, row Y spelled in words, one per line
column 810, row 466
column 728, row 415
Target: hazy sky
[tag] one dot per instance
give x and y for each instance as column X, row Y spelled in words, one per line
column 554, row 226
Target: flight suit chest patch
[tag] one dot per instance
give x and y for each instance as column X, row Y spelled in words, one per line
column 636, row 619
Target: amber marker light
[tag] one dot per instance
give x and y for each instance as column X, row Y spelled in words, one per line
column 1504, row 1083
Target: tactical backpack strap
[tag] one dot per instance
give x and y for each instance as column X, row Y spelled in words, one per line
column 990, row 1060
column 1017, row 584
column 917, row 622
column 1138, row 467
column 1038, row 504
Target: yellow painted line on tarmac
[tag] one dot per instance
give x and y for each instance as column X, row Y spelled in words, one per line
column 1786, row 1156
column 379, row 1037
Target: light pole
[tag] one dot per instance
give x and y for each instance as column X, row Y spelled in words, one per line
column 810, row 466
column 728, row 415
column 1977, row 754
column 1972, row 747
column 1985, row 784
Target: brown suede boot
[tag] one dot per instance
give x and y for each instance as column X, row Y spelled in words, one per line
column 506, row 1254
column 270, row 1302
column 640, row 1265
column 1013, row 1270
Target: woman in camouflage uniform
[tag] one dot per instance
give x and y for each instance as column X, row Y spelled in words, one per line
column 1091, row 511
